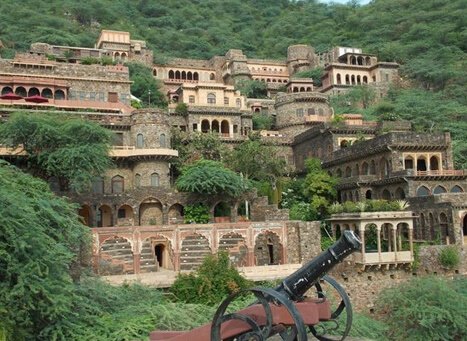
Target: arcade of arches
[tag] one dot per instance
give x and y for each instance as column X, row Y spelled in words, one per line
column 183, row 247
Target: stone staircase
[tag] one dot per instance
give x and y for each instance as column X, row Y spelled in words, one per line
column 116, row 257
column 194, row 249
column 148, row 262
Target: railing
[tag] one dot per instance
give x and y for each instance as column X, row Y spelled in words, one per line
column 447, row 172
column 376, row 258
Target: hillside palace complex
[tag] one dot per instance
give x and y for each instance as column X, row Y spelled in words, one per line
column 135, row 212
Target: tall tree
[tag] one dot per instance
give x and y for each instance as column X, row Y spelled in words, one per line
column 41, row 240
column 73, row 151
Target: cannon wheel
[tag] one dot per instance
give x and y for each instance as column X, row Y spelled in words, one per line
column 344, row 305
column 265, row 296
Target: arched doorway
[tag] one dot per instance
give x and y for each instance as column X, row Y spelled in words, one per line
column 195, row 248
column 104, row 216
column 368, row 194
column 400, row 194
column 176, row 214
column 85, row 213
column 268, row 249
column 225, row 128
column 150, row 212
column 156, row 254
column 215, row 126
column 235, row 245
column 222, row 213
column 125, row 216
column 115, row 257
column 205, row 126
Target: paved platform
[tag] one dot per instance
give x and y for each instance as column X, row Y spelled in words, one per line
column 165, row 278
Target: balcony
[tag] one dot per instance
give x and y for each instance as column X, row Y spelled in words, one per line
column 141, row 153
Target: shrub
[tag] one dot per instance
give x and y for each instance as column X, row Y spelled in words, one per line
column 449, row 257
column 302, row 211
column 215, row 279
column 425, row 308
column 197, row 213
column 181, row 109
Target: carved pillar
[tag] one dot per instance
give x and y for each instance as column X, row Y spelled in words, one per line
column 378, row 241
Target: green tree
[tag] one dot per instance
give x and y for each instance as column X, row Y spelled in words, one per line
column 73, row 151
column 252, row 88
column 210, row 177
column 42, row 248
column 314, row 74
column 319, row 187
column 257, row 161
column 214, row 280
column 426, row 308
column 145, row 86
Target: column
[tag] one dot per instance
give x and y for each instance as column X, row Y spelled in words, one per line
column 378, row 241
column 394, row 241
column 411, row 242
column 136, row 262
column 361, row 230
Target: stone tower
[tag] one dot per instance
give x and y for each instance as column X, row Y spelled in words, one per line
column 301, row 58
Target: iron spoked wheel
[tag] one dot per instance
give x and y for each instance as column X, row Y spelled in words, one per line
column 265, row 297
column 338, row 327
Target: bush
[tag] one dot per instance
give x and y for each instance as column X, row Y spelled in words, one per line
column 181, row 109
column 449, row 257
column 427, row 308
column 215, row 279
column 198, row 213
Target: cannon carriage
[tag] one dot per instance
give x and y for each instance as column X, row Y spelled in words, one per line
column 285, row 312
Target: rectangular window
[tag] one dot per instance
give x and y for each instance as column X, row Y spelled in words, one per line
column 112, row 97
column 117, row 139
column 121, row 213
column 311, row 111
column 299, row 112
column 235, row 129
column 195, row 127
column 226, row 101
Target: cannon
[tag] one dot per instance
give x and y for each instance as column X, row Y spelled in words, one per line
column 285, row 312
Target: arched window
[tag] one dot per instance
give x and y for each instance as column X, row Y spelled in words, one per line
column 225, row 129
column 171, row 74
column 177, row 74
column 386, row 195
column 238, row 103
column 195, row 76
column 118, row 185
column 339, row 81
column 400, row 194
column 21, row 91
column 205, row 126
column 421, row 164
column 423, row 191
column 6, row 90
column 360, row 60
column 352, row 79
column 365, row 169
column 367, row 61
column 408, row 162
column 138, row 180
column 434, row 164
column 211, row 98
column 353, row 60
column 295, row 89
column 139, row 141
column 183, row 75
column 189, row 76
column 365, row 80
column 162, row 141
column 191, row 99
column 98, row 185
column 457, row 189
column 358, row 80
column 215, row 126
column 59, row 94
column 212, row 76
column 368, row 194
column 154, row 72
column 47, row 93
column 344, row 143
column 439, row 190
column 348, row 172
column 302, row 89
column 154, row 180
column 347, row 79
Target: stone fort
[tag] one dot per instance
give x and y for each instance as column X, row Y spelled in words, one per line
column 136, row 214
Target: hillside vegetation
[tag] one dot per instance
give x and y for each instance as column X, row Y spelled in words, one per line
column 428, row 38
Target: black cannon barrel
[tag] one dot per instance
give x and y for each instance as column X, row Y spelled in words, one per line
column 295, row 285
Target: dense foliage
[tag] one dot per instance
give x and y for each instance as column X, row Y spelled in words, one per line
column 145, row 87
column 428, row 308
column 210, row 177
column 214, row 280
column 71, row 150
column 42, row 248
